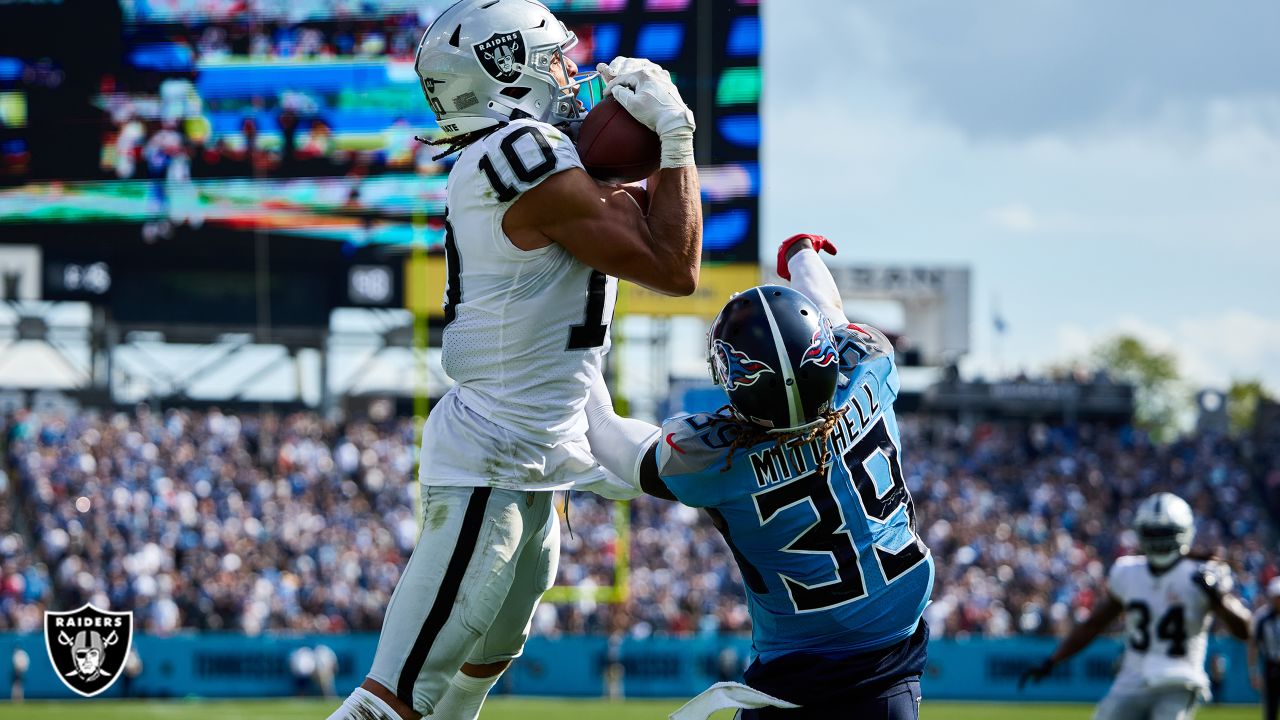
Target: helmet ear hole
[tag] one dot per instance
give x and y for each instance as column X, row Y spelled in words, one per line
column 454, row 39
column 515, row 93
column 804, row 312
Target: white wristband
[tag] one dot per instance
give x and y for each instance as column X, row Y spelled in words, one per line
column 677, row 149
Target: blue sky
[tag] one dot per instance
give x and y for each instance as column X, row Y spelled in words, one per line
column 1102, row 167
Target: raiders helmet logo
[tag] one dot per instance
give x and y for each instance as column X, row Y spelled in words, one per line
column 500, row 54
column 88, row 647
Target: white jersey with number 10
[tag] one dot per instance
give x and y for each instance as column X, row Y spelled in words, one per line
column 525, row 331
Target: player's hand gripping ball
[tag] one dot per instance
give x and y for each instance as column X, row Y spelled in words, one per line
column 615, row 147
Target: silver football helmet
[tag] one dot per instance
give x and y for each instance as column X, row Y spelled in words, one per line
column 486, row 62
column 1166, row 527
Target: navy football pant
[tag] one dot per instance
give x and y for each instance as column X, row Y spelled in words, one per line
column 880, row 684
column 899, row 702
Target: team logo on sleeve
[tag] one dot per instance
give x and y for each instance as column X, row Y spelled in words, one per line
column 734, row 367
column 821, row 351
column 88, row 647
column 500, row 54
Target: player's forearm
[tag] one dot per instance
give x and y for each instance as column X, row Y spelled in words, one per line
column 1233, row 614
column 1075, row 641
column 675, row 226
column 810, row 276
column 619, row 444
column 1084, row 633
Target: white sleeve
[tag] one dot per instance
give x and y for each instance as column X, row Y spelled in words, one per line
column 619, row 444
column 810, row 276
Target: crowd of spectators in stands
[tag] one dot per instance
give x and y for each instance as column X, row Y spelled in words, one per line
column 215, row 521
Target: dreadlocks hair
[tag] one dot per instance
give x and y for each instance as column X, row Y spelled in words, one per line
column 456, row 144
column 750, row 434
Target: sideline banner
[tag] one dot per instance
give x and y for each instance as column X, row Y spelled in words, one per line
column 231, row 665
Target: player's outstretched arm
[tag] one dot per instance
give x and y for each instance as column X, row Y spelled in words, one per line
column 624, row 446
column 798, row 261
column 1226, row 606
column 602, row 225
column 1076, row 640
column 1234, row 615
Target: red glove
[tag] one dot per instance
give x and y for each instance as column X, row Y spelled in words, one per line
column 819, row 243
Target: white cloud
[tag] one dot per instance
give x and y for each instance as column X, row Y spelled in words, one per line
column 1153, row 214
column 1016, row 218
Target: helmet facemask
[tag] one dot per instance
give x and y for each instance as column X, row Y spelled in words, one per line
column 1164, row 544
column 570, row 101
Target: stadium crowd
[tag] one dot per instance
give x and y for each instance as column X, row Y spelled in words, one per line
column 211, row 520
column 253, row 523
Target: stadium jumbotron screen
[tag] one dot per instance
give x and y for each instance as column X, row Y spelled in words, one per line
column 299, row 117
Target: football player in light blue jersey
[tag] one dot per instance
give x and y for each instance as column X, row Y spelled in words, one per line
column 802, row 475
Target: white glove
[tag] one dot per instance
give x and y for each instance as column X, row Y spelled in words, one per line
column 623, row 66
column 645, row 90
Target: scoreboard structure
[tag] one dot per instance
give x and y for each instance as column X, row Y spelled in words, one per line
column 254, row 163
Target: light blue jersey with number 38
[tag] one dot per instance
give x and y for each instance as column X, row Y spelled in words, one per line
column 829, row 554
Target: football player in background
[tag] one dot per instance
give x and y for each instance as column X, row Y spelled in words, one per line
column 801, row 473
column 1169, row 599
column 1264, row 652
column 533, row 246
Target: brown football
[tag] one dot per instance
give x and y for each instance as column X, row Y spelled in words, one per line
column 615, row 147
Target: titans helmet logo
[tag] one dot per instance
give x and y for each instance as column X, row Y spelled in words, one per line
column 821, row 351
column 735, row 368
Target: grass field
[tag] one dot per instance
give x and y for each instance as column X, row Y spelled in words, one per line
column 517, row 709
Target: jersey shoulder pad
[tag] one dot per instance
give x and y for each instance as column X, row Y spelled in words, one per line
column 865, row 352
column 520, row 155
column 858, row 343
column 691, row 446
column 1121, row 572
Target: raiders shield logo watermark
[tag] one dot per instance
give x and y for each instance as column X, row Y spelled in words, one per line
column 88, row 647
column 500, row 54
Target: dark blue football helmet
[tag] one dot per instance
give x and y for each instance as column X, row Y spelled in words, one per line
column 772, row 351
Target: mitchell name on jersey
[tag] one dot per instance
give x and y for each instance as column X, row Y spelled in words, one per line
column 525, row 331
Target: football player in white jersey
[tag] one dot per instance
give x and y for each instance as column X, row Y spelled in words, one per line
column 533, row 248
column 1169, row 600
